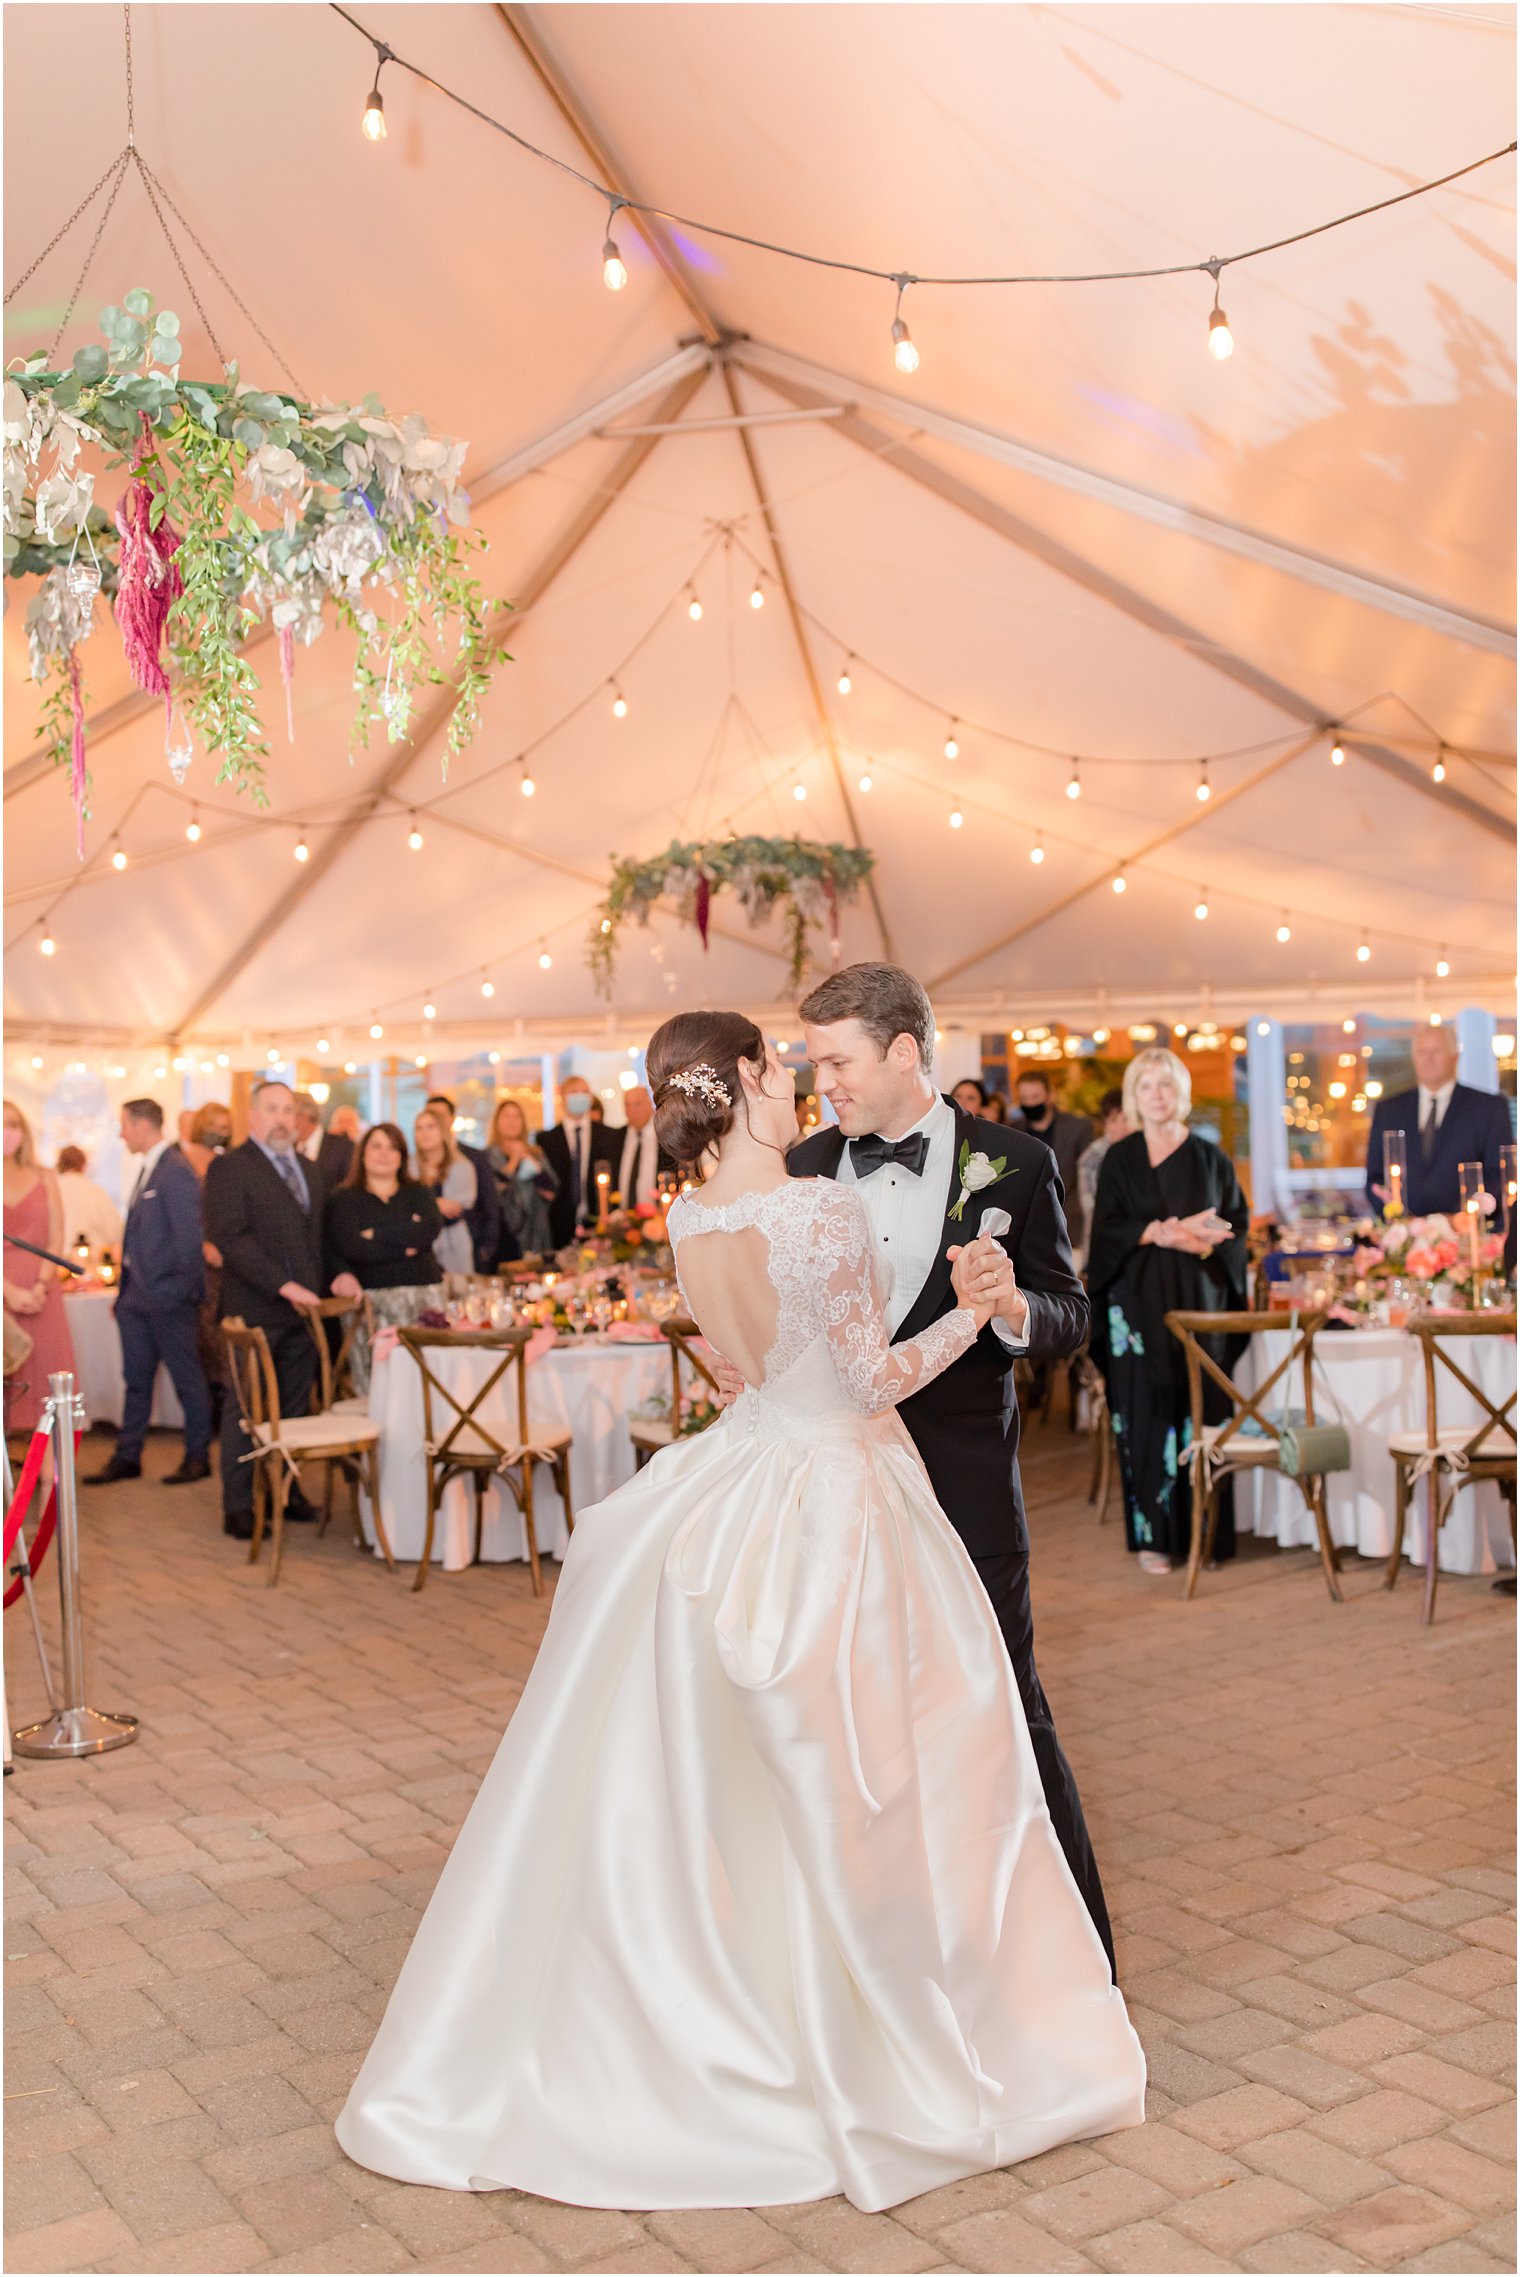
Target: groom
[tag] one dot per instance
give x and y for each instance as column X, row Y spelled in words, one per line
column 870, row 1037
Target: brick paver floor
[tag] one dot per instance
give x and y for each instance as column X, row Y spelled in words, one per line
column 1303, row 1814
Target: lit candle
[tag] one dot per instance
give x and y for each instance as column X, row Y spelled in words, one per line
column 1395, row 1173
column 1470, row 1184
column 603, row 1182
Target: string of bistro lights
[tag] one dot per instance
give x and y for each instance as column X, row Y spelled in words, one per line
column 611, row 686
column 905, row 352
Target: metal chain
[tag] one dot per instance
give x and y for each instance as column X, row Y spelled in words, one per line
column 131, row 117
column 68, row 314
column 232, row 294
column 150, row 183
column 61, row 234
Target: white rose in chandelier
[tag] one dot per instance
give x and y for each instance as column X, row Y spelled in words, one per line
column 347, row 549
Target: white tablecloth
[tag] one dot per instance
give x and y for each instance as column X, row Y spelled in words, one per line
column 91, row 1316
column 1377, row 1381
column 586, row 1386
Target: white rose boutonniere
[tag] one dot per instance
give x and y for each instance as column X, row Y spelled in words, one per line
column 977, row 1171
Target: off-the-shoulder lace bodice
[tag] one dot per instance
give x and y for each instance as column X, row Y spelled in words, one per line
column 818, row 1249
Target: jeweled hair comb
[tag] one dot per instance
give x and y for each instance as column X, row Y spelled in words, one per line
column 700, row 1082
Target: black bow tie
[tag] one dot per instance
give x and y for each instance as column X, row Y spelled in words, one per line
column 868, row 1154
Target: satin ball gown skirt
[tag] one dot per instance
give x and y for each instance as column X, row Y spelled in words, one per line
column 759, row 1900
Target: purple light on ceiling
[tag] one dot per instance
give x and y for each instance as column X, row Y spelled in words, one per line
column 1163, row 428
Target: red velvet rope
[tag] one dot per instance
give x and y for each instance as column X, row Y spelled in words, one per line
column 26, row 1486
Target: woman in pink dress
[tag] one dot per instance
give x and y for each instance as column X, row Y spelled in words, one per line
column 33, row 1299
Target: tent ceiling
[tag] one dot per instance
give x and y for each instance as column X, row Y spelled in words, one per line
column 1356, row 455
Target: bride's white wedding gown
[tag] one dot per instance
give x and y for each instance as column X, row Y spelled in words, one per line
column 759, row 1900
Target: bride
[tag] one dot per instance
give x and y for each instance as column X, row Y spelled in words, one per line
column 759, row 1900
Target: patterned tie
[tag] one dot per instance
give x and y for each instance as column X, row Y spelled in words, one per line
column 285, row 1164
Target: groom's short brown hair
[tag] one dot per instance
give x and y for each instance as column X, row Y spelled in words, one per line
column 885, row 1000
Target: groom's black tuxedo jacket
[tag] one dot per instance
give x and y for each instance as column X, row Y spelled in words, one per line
column 965, row 1424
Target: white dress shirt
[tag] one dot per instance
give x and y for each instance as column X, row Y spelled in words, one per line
column 639, row 1165
column 906, row 1216
column 140, row 1179
column 1439, row 1100
column 310, row 1147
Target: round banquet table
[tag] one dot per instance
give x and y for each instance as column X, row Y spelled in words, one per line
column 91, row 1315
column 583, row 1384
column 1376, row 1387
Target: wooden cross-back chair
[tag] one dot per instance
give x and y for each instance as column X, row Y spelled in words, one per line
column 1088, row 1380
column 1219, row 1450
column 650, row 1433
column 335, row 1391
column 464, row 1445
column 278, row 1444
column 1452, row 1455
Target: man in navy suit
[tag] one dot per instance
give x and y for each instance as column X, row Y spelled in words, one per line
column 1445, row 1123
column 162, row 1283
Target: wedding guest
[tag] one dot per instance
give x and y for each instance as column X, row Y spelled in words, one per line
column 163, row 1282
column 996, row 1109
column 1446, row 1124
column 575, row 1149
column 642, row 1161
column 308, row 1127
column 89, row 1214
column 484, row 1213
column 33, row 1297
column 379, row 1232
column 210, row 1134
column 525, row 1185
column 337, row 1154
column 263, row 1214
column 1067, row 1136
column 1113, row 1124
column 971, row 1095
column 1168, row 1235
column 450, row 1179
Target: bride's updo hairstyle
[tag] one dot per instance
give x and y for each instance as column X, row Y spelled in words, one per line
column 692, row 1062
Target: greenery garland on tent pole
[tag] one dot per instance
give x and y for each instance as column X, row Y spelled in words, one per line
column 806, row 880
column 369, row 515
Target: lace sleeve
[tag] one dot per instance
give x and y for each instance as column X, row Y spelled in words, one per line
column 873, row 1372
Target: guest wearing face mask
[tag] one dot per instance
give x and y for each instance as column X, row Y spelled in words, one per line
column 575, row 1148
column 1067, row 1136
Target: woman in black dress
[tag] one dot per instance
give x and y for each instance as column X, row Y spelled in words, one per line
column 1168, row 1235
column 381, row 1226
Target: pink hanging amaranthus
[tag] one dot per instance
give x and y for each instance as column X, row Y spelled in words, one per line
column 704, row 903
column 149, row 584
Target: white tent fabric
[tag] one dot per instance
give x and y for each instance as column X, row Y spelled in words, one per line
column 1071, row 532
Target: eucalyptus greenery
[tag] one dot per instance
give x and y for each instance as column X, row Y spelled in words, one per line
column 806, row 880
column 360, row 511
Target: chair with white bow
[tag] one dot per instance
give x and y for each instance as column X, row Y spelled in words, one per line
column 467, row 1446
column 1449, row 1456
column 279, row 1444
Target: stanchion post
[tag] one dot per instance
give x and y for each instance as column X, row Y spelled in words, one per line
column 72, row 1729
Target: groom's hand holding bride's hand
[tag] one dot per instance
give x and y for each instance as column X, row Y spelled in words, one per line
column 982, row 1275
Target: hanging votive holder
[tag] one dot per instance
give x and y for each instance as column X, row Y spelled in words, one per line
column 179, row 748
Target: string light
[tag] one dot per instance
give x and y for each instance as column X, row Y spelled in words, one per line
column 757, row 598
column 323, row 1047
column 350, row 1067
column 302, row 850
column 374, row 107
column 1121, row 883
column 1037, row 852
column 1221, row 338
column 956, row 818
column 1337, row 751
column 376, row 1031
column 544, row 960
column 619, row 702
column 193, row 828
column 528, row 787
column 845, row 682
column 1074, row 787
column 488, row 986
column 414, row 837
column 952, row 748
column 694, row 607
column 1438, row 771
column 904, row 353
column 119, row 858
column 1205, row 790
column 48, row 945
column 865, row 783
column 429, row 1011
column 614, row 268
column 37, row 1060
column 1348, row 1027
column 1285, row 930
column 272, row 1056
column 1363, row 950
column 799, row 792
column 1443, row 966
column 1201, row 905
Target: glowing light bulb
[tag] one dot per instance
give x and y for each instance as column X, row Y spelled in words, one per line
column 37, row 1059
column 952, row 748
column 757, row 598
column 374, row 114
column 1221, row 338
column 799, row 792
column 376, row 1031
column 1443, row 966
column 224, row 1059
column 1205, row 789
column 1363, row 952
column 488, row 988
column 865, row 782
column 614, row 268
column 1337, row 753
column 1074, row 787
column 302, row 850
column 323, row 1047
column 544, row 960
column 1201, row 907
column 528, row 787
column 619, row 702
column 1348, row 1027
column 414, row 839
column 694, row 610
column 845, row 682
column 272, row 1056
column 1438, row 771
column 193, row 830
column 48, row 945
column 1037, row 853
column 956, row 818
column 904, row 353
column 1121, row 883
column 1285, row 931
column 119, row 859
column 429, row 1011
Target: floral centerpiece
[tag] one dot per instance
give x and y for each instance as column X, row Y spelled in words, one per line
column 806, row 880
column 362, row 514
column 1429, row 1250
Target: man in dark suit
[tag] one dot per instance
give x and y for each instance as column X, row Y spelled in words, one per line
column 263, row 1209
column 162, row 1282
column 916, row 1159
column 483, row 1217
column 1446, row 1123
column 575, row 1148
column 641, row 1160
